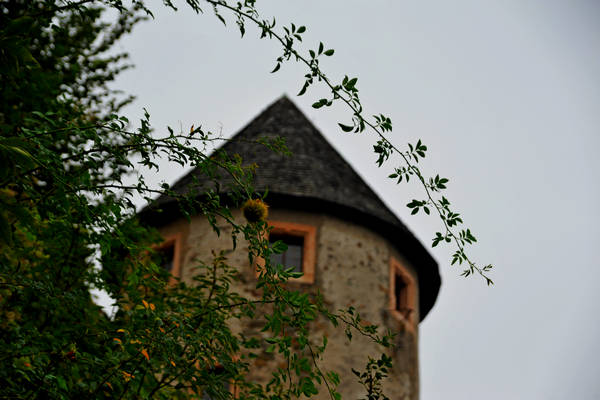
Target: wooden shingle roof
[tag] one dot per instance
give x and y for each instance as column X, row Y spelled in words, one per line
column 316, row 178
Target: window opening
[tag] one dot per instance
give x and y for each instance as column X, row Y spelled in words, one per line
column 301, row 242
column 292, row 257
column 167, row 256
column 401, row 293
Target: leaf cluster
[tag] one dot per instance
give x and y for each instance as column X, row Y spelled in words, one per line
column 68, row 224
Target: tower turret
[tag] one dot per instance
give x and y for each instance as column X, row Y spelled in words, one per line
column 349, row 245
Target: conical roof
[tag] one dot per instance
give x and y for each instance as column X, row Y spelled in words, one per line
column 316, row 177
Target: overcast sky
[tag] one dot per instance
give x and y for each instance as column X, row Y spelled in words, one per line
column 506, row 95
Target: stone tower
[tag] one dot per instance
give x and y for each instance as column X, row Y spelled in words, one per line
column 347, row 243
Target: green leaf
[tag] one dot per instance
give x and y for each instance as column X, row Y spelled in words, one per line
column 320, row 103
column 345, row 128
column 303, row 90
column 351, row 83
column 61, row 383
column 19, row 26
column 279, row 247
column 329, row 52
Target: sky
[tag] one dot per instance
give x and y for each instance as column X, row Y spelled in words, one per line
column 506, row 95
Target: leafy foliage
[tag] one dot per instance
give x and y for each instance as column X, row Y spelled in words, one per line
column 67, row 224
column 347, row 93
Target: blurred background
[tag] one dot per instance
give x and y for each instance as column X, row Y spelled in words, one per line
column 505, row 95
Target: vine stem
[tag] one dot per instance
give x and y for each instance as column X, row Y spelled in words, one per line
column 358, row 113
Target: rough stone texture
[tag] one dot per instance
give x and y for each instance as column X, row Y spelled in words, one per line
column 352, row 268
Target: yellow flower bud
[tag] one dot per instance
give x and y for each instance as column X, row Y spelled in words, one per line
column 255, row 210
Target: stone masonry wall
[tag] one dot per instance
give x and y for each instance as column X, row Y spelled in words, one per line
column 352, row 269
